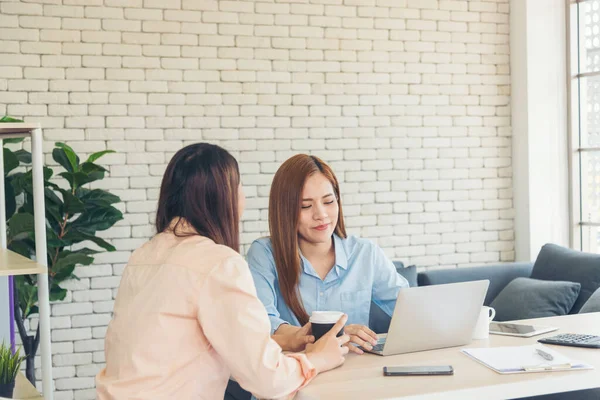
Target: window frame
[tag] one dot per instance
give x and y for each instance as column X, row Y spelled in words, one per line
column 581, row 230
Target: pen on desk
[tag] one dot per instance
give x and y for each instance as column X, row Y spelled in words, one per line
column 544, row 355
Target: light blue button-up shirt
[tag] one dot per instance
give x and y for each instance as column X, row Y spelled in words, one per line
column 362, row 273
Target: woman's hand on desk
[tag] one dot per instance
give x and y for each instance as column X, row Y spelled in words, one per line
column 291, row 338
column 362, row 336
column 328, row 352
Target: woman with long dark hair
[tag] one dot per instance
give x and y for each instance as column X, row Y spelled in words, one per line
column 309, row 263
column 186, row 316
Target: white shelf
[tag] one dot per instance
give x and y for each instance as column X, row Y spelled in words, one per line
column 24, row 390
column 16, row 129
column 12, row 263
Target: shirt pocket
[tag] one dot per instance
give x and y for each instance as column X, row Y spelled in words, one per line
column 357, row 305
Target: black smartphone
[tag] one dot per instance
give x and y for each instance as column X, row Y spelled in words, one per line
column 418, row 370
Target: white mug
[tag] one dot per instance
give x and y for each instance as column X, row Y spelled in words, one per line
column 482, row 328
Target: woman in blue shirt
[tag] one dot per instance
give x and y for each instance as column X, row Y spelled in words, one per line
column 310, row 264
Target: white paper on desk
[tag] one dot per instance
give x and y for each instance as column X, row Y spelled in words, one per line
column 511, row 360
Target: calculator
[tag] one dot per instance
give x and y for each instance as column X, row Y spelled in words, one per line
column 573, row 339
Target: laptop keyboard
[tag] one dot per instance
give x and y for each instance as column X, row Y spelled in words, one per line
column 378, row 347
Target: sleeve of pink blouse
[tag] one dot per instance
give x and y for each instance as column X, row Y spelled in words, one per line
column 236, row 324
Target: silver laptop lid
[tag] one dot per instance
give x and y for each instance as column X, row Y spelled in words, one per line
column 435, row 316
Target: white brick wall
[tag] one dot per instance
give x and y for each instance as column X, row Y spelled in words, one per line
column 407, row 99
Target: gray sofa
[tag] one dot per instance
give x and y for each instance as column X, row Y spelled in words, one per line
column 498, row 275
column 560, row 281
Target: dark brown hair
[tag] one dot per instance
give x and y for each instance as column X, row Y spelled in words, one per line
column 285, row 202
column 200, row 186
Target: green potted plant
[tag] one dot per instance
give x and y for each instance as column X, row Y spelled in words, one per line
column 74, row 215
column 9, row 367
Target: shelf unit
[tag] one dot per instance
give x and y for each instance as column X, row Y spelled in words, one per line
column 14, row 264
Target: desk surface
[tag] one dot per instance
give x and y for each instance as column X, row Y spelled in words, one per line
column 360, row 377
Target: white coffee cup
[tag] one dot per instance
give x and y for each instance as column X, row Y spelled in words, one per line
column 482, row 328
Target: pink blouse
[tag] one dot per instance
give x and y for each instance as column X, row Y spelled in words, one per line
column 187, row 317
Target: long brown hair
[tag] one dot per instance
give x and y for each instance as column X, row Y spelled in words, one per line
column 285, row 201
column 200, row 186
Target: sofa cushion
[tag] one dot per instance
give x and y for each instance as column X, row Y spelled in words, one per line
column 498, row 275
column 410, row 272
column 556, row 263
column 525, row 298
column 593, row 303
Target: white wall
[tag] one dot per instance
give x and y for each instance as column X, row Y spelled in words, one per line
column 408, row 100
column 539, row 123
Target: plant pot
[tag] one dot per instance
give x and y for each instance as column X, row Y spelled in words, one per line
column 6, row 389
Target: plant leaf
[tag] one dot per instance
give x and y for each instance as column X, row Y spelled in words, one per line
column 47, row 174
column 12, row 140
column 9, row 363
column 94, row 156
column 54, row 241
column 86, row 251
column 70, row 153
column 51, row 197
column 77, row 179
column 18, row 182
column 54, row 215
column 88, row 168
column 65, row 273
column 9, row 195
column 98, row 219
column 78, row 235
column 66, row 263
column 66, row 258
column 20, row 223
column 10, row 160
column 27, row 295
column 67, row 160
column 72, row 204
column 60, row 157
column 57, row 293
column 10, row 119
column 22, row 247
column 97, row 197
column 23, row 156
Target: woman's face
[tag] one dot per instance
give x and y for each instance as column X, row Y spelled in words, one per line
column 319, row 212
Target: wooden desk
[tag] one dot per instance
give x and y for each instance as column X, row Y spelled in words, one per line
column 361, row 377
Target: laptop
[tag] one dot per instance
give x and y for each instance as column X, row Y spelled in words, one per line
column 433, row 317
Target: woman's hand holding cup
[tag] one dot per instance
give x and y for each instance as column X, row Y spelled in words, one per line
column 329, row 350
column 324, row 321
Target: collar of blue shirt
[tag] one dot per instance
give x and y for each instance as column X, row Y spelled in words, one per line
column 341, row 258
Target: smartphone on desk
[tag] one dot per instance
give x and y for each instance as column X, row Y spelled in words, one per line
column 418, row 370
